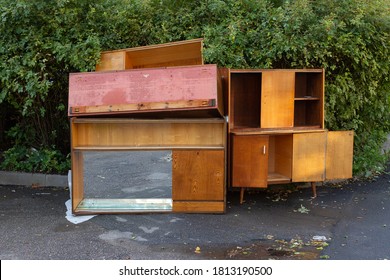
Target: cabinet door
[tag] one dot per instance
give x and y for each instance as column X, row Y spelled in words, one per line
column 339, row 155
column 277, row 99
column 198, row 175
column 250, row 161
column 309, row 157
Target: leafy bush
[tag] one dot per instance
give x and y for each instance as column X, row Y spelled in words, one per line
column 41, row 44
column 19, row 158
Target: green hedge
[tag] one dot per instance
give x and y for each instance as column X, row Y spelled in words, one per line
column 42, row 43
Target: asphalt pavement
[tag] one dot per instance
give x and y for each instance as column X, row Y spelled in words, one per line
column 347, row 221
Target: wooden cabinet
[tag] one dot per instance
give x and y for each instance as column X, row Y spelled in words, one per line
column 275, row 99
column 276, row 129
column 197, row 163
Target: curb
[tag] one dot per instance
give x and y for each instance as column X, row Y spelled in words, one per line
column 33, row 179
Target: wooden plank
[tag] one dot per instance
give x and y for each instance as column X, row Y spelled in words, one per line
column 198, row 206
column 277, row 178
column 77, row 170
column 157, row 134
column 145, row 86
column 224, row 75
column 322, row 105
column 112, row 61
column 308, row 157
column 339, row 155
column 145, row 148
column 277, row 99
column 146, row 121
column 250, row 161
column 150, row 106
column 198, row 175
column 77, row 179
column 188, row 52
column 306, row 98
column 305, row 70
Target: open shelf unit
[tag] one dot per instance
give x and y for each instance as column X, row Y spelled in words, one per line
column 276, row 99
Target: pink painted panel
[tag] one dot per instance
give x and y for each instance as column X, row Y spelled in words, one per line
column 143, row 85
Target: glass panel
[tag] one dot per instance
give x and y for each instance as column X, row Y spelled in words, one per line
column 127, row 180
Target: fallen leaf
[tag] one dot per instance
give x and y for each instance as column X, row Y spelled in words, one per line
column 197, row 250
column 302, row 210
column 324, row 257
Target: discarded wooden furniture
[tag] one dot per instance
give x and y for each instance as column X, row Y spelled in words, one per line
column 179, row 53
column 192, row 90
column 163, row 98
column 198, row 162
column 128, row 106
column 276, row 130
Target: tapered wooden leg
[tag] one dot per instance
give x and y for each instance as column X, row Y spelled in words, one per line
column 314, row 188
column 242, row 190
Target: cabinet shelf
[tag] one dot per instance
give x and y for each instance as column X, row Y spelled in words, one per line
column 259, row 131
column 309, row 98
column 277, row 178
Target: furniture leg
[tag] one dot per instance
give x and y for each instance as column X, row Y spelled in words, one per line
column 314, row 188
column 242, row 190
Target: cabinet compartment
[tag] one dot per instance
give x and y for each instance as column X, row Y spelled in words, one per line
column 245, row 99
column 280, row 159
column 308, row 105
column 259, row 160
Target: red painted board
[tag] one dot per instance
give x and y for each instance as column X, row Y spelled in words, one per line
column 152, row 85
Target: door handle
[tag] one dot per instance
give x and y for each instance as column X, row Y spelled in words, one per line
column 264, row 150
